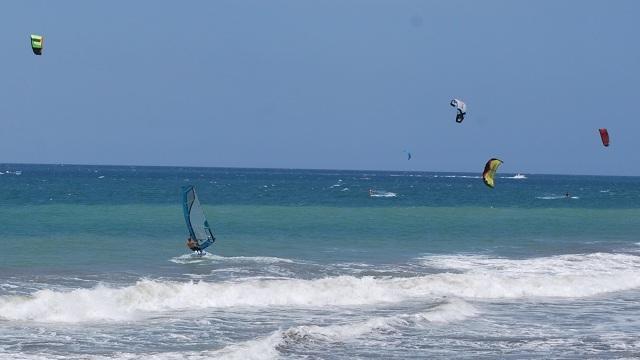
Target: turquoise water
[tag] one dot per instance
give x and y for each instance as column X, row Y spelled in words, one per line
column 309, row 265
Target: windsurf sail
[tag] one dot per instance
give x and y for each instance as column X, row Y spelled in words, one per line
column 604, row 136
column 37, row 44
column 489, row 172
column 197, row 223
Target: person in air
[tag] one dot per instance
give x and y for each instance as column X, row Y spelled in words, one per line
column 462, row 109
column 193, row 245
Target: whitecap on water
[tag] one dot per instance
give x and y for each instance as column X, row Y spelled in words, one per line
column 194, row 258
column 569, row 276
column 382, row 194
column 515, row 177
column 556, row 197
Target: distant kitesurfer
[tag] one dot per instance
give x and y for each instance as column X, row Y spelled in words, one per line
column 461, row 107
column 566, row 195
column 193, row 245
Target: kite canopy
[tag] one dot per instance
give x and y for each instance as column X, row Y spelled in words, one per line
column 489, row 172
column 36, row 44
column 461, row 107
column 604, row 136
column 408, row 154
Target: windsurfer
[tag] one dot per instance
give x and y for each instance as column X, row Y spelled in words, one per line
column 193, row 245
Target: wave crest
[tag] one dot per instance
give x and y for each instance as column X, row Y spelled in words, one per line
column 470, row 277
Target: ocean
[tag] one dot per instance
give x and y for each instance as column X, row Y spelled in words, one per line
column 317, row 264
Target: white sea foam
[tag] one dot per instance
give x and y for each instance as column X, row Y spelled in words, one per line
column 193, row 258
column 515, row 177
column 382, row 194
column 405, row 175
column 458, row 176
column 268, row 347
column 577, row 275
column 556, row 197
column 453, row 310
column 127, row 303
column 258, row 349
column 190, row 258
column 470, row 277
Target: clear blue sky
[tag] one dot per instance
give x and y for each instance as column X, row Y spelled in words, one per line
column 341, row 84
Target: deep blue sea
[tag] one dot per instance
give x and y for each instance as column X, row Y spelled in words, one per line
column 317, row 264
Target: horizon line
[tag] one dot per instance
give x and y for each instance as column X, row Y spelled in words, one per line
column 305, row 169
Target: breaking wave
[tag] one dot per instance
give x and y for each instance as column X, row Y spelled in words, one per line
column 469, row 277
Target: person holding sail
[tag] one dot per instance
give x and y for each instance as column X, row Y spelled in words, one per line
column 193, row 245
column 199, row 231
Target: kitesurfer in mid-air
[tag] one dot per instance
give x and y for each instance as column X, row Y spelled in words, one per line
column 461, row 107
column 193, row 245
